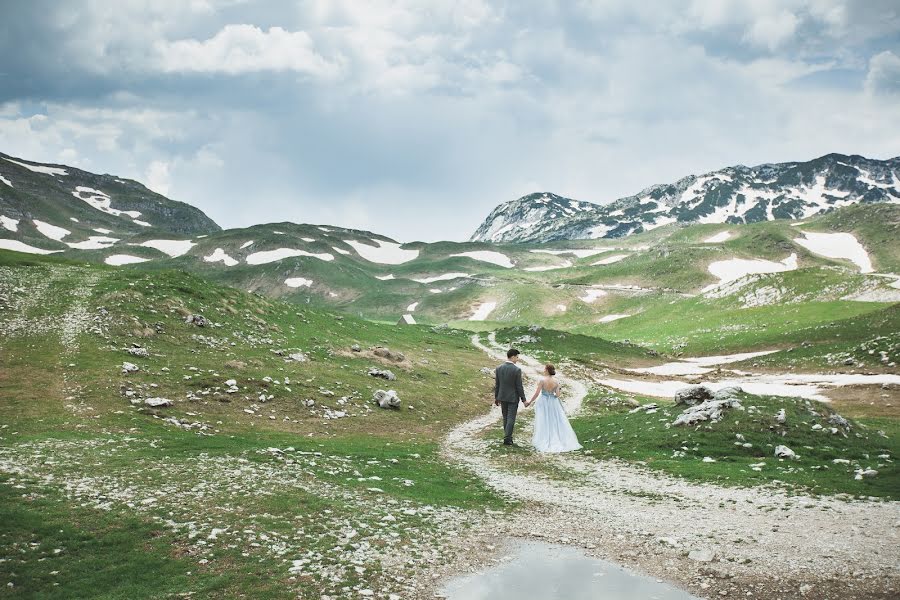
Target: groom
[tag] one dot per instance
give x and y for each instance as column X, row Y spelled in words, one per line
column 508, row 390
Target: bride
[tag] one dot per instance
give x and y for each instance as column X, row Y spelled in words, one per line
column 552, row 432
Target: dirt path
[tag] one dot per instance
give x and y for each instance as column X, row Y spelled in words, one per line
column 761, row 541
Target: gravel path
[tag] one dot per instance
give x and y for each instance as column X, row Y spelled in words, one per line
column 761, row 541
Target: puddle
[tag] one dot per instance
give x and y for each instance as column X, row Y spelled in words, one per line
column 538, row 571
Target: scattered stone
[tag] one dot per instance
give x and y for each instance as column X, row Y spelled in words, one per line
column 128, row 367
column 198, row 320
column 692, row 395
column 486, row 371
column 702, row 555
column 781, row 417
column 236, row 364
column 648, row 408
column 782, row 451
column 383, row 373
column 157, row 402
column 709, row 459
column 298, row 357
column 839, row 421
column 355, row 348
column 138, row 351
column 728, row 393
column 386, row 399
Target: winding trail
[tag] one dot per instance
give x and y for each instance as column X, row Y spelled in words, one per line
column 764, row 540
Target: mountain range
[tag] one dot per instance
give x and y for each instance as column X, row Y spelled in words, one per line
column 738, row 194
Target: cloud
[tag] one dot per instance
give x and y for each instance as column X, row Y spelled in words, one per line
column 415, row 119
column 239, row 49
column 883, row 76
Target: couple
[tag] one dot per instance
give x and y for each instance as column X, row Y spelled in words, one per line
column 552, row 432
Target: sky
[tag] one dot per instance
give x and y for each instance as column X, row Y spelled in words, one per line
column 415, row 119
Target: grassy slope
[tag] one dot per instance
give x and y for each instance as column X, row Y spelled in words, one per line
column 69, row 405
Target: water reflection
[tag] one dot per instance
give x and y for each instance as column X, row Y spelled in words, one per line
column 538, row 571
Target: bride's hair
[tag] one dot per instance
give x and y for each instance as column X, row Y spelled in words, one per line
column 550, row 369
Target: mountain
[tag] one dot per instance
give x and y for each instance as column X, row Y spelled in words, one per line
column 55, row 207
column 739, row 194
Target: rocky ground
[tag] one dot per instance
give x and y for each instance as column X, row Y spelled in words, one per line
column 713, row 541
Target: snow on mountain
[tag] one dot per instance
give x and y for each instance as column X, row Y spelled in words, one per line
column 738, row 194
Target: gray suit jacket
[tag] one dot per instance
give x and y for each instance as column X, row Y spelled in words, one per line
column 508, row 383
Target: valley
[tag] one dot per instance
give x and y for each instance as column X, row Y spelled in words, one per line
column 192, row 411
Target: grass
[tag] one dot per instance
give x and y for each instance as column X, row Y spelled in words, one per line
column 609, row 430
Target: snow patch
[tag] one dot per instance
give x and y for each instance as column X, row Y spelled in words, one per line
column 609, row 318
column 837, row 245
column 482, row 311
column 246, row 244
column 385, row 277
column 444, row 277
column 736, row 268
column 296, row 282
column 51, row 231
column 591, row 295
column 124, row 259
column 488, row 256
column 219, row 255
column 268, row 256
column 6, row 181
column 18, row 246
column 412, row 307
column 722, row 236
column 9, row 223
column 102, row 202
column 102, row 231
column 174, row 248
column 561, row 307
column 94, row 242
column 385, row 253
column 610, row 260
column 579, row 252
column 40, row 168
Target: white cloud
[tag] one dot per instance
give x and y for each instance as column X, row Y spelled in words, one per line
column 884, row 74
column 246, row 48
column 772, row 30
column 157, row 177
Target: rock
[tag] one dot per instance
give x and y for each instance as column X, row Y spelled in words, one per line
column 692, row 395
column 138, row 351
column 388, row 354
column 816, row 427
column 298, row 357
column 157, row 402
column 728, row 393
column 648, row 408
column 128, row 367
column 702, row 555
column 709, row 410
column 235, row 364
column 486, row 371
column 383, row 373
column 781, row 417
column 386, row 399
column 198, row 320
column 709, row 459
column 839, row 421
column 355, row 348
column 849, row 362
column 231, row 382
column 782, row 451
column 863, row 473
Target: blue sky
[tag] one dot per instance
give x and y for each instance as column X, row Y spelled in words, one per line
column 415, row 119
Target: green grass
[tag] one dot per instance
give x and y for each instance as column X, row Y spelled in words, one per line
column 610, row 431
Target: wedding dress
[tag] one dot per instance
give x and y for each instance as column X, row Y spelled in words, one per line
column 552, row 431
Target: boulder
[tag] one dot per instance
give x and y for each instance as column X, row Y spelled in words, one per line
column 298, row 357
column 702, row 555
column 486, row 371
column 692, row 395
column 709, row 410
column 782, row 451
column 138, row 351
column 198, row 320
column 728, row 393
column 781, row 417
column 386, row 399
column 128, row 367
column 157, row 402
column 863, row 473
column 388, row 354
column 648, row 408
column 355, row 348
column 839, row 421
column 382, row 373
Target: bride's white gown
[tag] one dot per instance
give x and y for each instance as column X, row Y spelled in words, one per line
column 552, row 431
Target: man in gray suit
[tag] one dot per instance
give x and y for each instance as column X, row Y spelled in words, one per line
column 508, row 391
